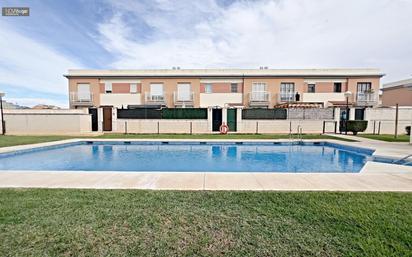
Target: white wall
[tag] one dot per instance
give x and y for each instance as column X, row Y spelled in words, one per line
column 219, row 99
column 154, row 126
column 281, row 126
column 382, row 120
column 323, row 97
column 117, row 100
column 47, row 122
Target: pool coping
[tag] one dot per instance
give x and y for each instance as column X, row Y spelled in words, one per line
column 374, row 176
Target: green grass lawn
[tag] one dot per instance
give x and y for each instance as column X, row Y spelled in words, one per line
column 56, row 222
column 387, row 138
column 22, row 140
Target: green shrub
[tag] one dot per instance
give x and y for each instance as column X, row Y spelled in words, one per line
column 356, row 126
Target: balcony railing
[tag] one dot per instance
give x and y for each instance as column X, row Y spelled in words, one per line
column 287, row 96
column 154, row 99
column 366, row 98
column 183, row 98
column 259, row 98
column 81, row 98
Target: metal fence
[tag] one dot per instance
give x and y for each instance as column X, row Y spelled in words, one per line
column 141, row 113
column 184, row 113
column 264, row 114
column 165, row 113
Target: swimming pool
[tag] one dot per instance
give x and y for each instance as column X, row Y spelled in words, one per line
column 190, row 156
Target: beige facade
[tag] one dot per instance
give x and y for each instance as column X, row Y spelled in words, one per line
column 399, row 92
column 210, row 88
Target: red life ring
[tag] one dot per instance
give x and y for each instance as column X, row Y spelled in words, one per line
column 223, row 129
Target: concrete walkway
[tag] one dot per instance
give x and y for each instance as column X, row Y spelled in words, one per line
column 373, row 177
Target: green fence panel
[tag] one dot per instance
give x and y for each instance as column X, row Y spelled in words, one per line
column 264, row 114
column 184, row 113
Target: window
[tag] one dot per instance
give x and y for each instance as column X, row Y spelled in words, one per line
column 287, row 91
column 156, row 89
column 133, row 88
column 208, row 88
column 184, row 92
column 259, row 92
column 233, row 87
column 108, row 88
column 337, row 87
column 364, row 87
column 311, row 88
column 83, row 92
column 156, row 92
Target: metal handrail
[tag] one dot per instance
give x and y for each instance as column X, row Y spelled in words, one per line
column 365, row 97
column 403, row 158
column 181, row 97
column 287, row 96
column 154, row 98
column 259, row 96
column 85, row 97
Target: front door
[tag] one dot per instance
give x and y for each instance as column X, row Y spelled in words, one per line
column 93, row 112
column 107, row 118
column 216, row 119
column 231, row 119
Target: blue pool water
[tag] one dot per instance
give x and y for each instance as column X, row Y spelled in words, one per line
column 184, row 156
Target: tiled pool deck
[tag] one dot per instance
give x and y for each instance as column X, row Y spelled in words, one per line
column 373, row 177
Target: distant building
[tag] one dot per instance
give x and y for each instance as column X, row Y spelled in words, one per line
column 8, row 105
column 45, row 106
column 398, row 92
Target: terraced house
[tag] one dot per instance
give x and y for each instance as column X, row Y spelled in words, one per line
column 266, row 88
column 224, row 88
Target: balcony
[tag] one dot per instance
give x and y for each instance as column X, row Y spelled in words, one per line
column 81, row 98
column 154, row 99
column 366, row 98
column 287, row 97
column 183, row 98
column 259, row 99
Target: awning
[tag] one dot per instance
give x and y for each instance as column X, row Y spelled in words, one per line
column 299, row 105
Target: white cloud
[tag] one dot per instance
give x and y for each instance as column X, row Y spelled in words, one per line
column 278, row 34
column 28, row 64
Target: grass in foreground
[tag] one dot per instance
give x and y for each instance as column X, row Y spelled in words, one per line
column 54, row 222
column 387, row 138
column 24, row 140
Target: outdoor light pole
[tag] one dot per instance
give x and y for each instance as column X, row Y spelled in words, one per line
column 347, row 95
column 3, row 123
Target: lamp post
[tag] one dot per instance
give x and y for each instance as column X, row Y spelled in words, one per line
column 3, row 123
column 347, row 95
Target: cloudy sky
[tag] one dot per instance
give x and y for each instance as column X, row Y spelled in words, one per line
column 36, row 51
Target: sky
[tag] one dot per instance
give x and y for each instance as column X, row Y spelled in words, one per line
column 58, row 35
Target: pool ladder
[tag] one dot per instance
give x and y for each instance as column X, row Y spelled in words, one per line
column 403, row 159
column 299, row 136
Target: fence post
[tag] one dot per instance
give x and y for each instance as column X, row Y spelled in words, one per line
column 158, row 127
column 257, row 127
column 336, row 125
column 323, row 129
column 191, row 128
column 379, row 128
column 125, row 127
column 374, row 125
column 396, row 120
